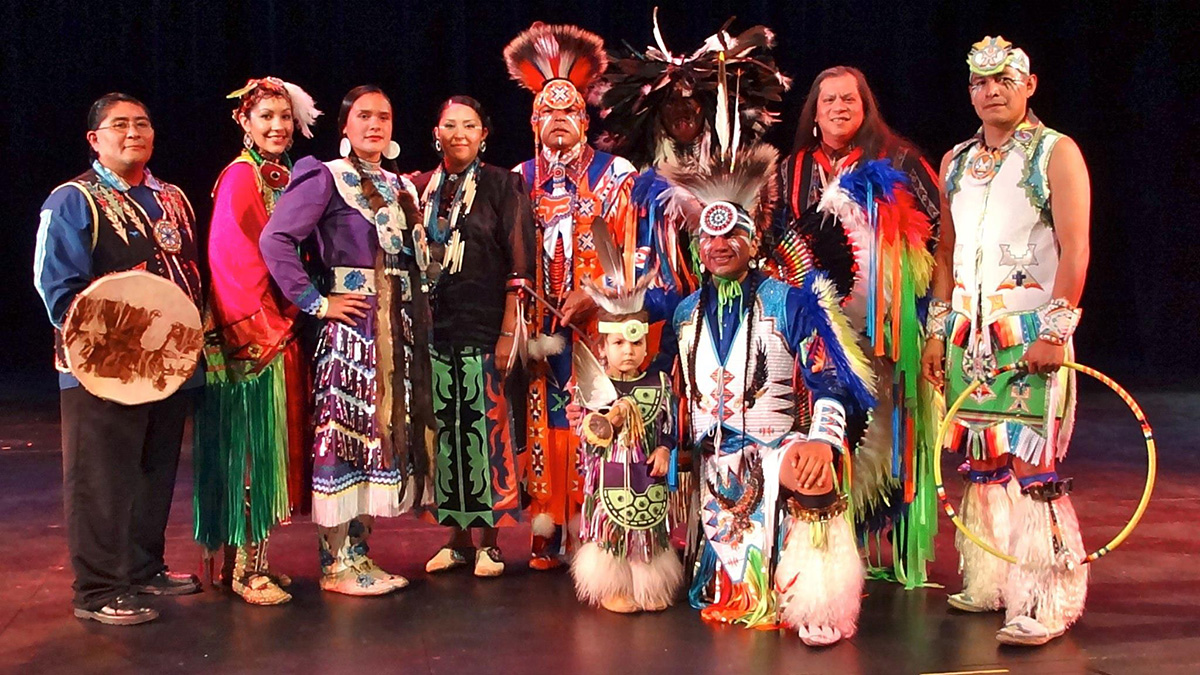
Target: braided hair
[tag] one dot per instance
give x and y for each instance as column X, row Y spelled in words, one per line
column 701, row 306
column 749, row 300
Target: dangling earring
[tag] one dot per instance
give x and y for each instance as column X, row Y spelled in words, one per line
column 248, row 141
column 291, row 142
column 344, row 147
column 482, row 146
column 437, row 144
column 814, row 132
column 393, row 150
column 753, row 263
column 702, row 270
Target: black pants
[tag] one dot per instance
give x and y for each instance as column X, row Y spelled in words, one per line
column 119, row 466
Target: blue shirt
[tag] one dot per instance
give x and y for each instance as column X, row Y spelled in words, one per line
column 804, row 318
column 62, row 258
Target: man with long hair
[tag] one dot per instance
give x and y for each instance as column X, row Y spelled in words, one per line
column 840, row 125
column 863, row 201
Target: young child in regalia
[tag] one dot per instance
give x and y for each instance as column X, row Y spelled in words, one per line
column 628, row 451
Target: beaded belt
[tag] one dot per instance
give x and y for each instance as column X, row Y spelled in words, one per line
column 361, row 280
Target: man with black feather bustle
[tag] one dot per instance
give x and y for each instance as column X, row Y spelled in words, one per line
column 667, row 110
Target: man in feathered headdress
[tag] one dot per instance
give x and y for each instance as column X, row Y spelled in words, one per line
column 571, row 186
column 1007, row 285
column 662, row 109
column 771, row 372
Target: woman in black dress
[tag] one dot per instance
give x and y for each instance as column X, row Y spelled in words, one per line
column 479, row 248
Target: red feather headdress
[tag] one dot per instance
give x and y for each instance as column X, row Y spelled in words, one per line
column 556, row 62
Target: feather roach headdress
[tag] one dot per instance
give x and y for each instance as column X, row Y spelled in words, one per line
column 556, row 62
column 739, row 194
column 732, row 78
column 304, row 109
column 620, row 295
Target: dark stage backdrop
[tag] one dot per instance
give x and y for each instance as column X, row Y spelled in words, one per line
column 1121, row 81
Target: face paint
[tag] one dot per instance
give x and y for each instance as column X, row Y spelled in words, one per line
column 726, row 256
column 560, row 129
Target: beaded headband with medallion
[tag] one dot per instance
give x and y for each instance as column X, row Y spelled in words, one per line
column 726, row 199
column 631, row 329
column 992, row 55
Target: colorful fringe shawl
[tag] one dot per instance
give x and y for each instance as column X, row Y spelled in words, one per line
column 240, row 454
column 890, row 235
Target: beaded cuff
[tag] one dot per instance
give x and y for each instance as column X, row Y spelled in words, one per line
column 1058, row 321
column 937, row 322
column 828, row 423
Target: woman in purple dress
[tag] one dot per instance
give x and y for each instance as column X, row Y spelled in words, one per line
column 373, row 407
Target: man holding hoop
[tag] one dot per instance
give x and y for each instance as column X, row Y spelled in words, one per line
column 1010, row 269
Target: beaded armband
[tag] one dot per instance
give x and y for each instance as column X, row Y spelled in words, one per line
column 937, row 322
column 1058, row 321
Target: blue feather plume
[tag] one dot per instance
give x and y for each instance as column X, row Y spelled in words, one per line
column 876, row 178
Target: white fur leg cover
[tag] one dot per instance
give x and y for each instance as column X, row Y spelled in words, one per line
column 655, row 583
column 986, row 511
column 543, row 525
column 820, row 586
column 1048, row 586
column 599, row 574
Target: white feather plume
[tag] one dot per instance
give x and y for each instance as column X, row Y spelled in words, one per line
column 542, row 346
column 304, row 109
column 742, row 185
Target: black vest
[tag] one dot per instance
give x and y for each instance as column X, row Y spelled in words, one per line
column 125, row 238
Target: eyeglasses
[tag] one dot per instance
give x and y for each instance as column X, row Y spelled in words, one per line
column 122, row 126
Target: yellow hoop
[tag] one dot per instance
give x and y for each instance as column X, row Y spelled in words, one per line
column 1151, row 466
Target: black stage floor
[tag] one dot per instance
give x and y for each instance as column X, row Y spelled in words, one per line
column 1143, row 611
